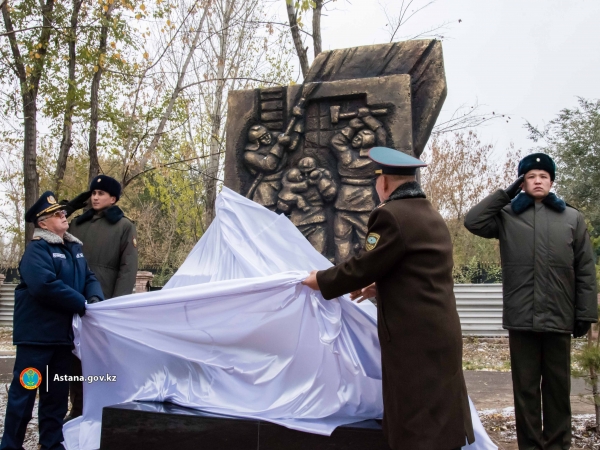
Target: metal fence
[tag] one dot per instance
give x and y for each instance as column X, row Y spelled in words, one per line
column 479, row 308
column 7, row 304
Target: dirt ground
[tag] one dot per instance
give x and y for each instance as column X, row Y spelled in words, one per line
column 491, row 394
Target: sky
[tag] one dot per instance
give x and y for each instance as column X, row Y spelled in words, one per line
column 527, row 59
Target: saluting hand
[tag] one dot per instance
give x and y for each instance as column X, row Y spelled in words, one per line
column 514, row 188
column 364, row 293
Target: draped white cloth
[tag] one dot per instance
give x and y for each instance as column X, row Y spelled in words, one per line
column 235, row 333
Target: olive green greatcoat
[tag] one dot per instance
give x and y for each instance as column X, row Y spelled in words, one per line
column 109, row 246
column 548, row 269
column 424, row 394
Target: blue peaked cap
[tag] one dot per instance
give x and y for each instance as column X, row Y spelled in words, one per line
column 394, row 162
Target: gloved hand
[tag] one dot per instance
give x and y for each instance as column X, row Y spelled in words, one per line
column 93, row 299
column 581, row 328
column 514, row 188
column 77, row 203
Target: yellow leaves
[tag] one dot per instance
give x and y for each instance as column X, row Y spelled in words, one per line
column 113, row 44
column 96, row 68
column 117, row 56
column 39, row 46
column 143, row 7
column 138, row 16
column 168, row 22
column 110, row 2
column 136, row 66
column 146, row 55
column 38, row 56
column 105, row 8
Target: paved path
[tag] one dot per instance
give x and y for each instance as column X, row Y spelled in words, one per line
column 493, row 390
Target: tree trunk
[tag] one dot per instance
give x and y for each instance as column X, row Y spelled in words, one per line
column 66, row 143
column 316, row 27
column 29, row 91
column 300, row 50
column 30, row 157
column 95, row 89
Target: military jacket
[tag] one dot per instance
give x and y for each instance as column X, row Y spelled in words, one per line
column 408, row 254
column 110, row 247
column 548, row 270
column 55, row 283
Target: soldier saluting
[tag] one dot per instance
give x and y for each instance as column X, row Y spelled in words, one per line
column 110, row 247
column 407, row 264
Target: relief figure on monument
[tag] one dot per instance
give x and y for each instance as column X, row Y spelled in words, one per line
column 357, row 197
column 306, row 189
column 264, row 157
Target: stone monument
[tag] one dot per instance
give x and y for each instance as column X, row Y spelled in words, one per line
column 301, row 150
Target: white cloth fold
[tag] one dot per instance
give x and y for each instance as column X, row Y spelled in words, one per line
column 235, row 332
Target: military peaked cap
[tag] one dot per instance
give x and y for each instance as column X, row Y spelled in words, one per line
column 44, row 205
column 537, row 161
column 394, row 162
column 106, row 184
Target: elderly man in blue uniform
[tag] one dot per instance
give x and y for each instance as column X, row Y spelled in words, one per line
column 549, row 290
column 407, row 264
column 55, row 284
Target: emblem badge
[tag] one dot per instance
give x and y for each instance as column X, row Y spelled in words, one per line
column 135, row 242
column 371, row 241
column 30, row 378
column 51, row 200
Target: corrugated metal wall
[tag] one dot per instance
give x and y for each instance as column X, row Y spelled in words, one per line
column 479, row 307
column 7, row 304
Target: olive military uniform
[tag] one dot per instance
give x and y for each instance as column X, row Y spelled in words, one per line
column 408, row 254
column 110, row 247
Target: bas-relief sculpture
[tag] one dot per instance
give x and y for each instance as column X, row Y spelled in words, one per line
column 303, row 150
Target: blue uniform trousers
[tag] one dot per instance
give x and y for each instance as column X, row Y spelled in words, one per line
column 53, row 402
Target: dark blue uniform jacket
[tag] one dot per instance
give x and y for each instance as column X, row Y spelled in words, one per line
column 55, row 282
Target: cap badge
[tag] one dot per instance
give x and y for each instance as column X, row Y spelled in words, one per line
column 537, row 159
column 51, row 200
column 100, row 179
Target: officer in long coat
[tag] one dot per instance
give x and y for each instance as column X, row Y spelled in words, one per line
column 110, row 247
column 408, row 257
column 55, row 284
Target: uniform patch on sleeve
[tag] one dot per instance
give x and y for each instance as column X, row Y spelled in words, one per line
column 79, row 255
column 59, row 255
column 135, row 242
column 371, row 241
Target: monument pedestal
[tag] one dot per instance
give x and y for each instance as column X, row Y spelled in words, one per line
column 153, row 426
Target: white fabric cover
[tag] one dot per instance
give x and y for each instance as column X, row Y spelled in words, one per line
column 235, row 333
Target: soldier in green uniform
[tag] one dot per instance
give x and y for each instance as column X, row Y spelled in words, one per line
column 549, row 290
column 407, row 264
column 110, row 248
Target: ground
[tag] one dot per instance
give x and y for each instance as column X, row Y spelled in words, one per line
column 487, row 374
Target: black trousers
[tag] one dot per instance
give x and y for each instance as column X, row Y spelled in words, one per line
column 53, row 400
column 541, row 374
column 76, row 388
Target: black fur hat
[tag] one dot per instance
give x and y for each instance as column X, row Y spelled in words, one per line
column 106, row 184
column 539, row 161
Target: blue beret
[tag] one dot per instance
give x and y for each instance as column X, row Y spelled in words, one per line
column 106, row 184
column 394, row 162
column 537, row 161
column 44, row 205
